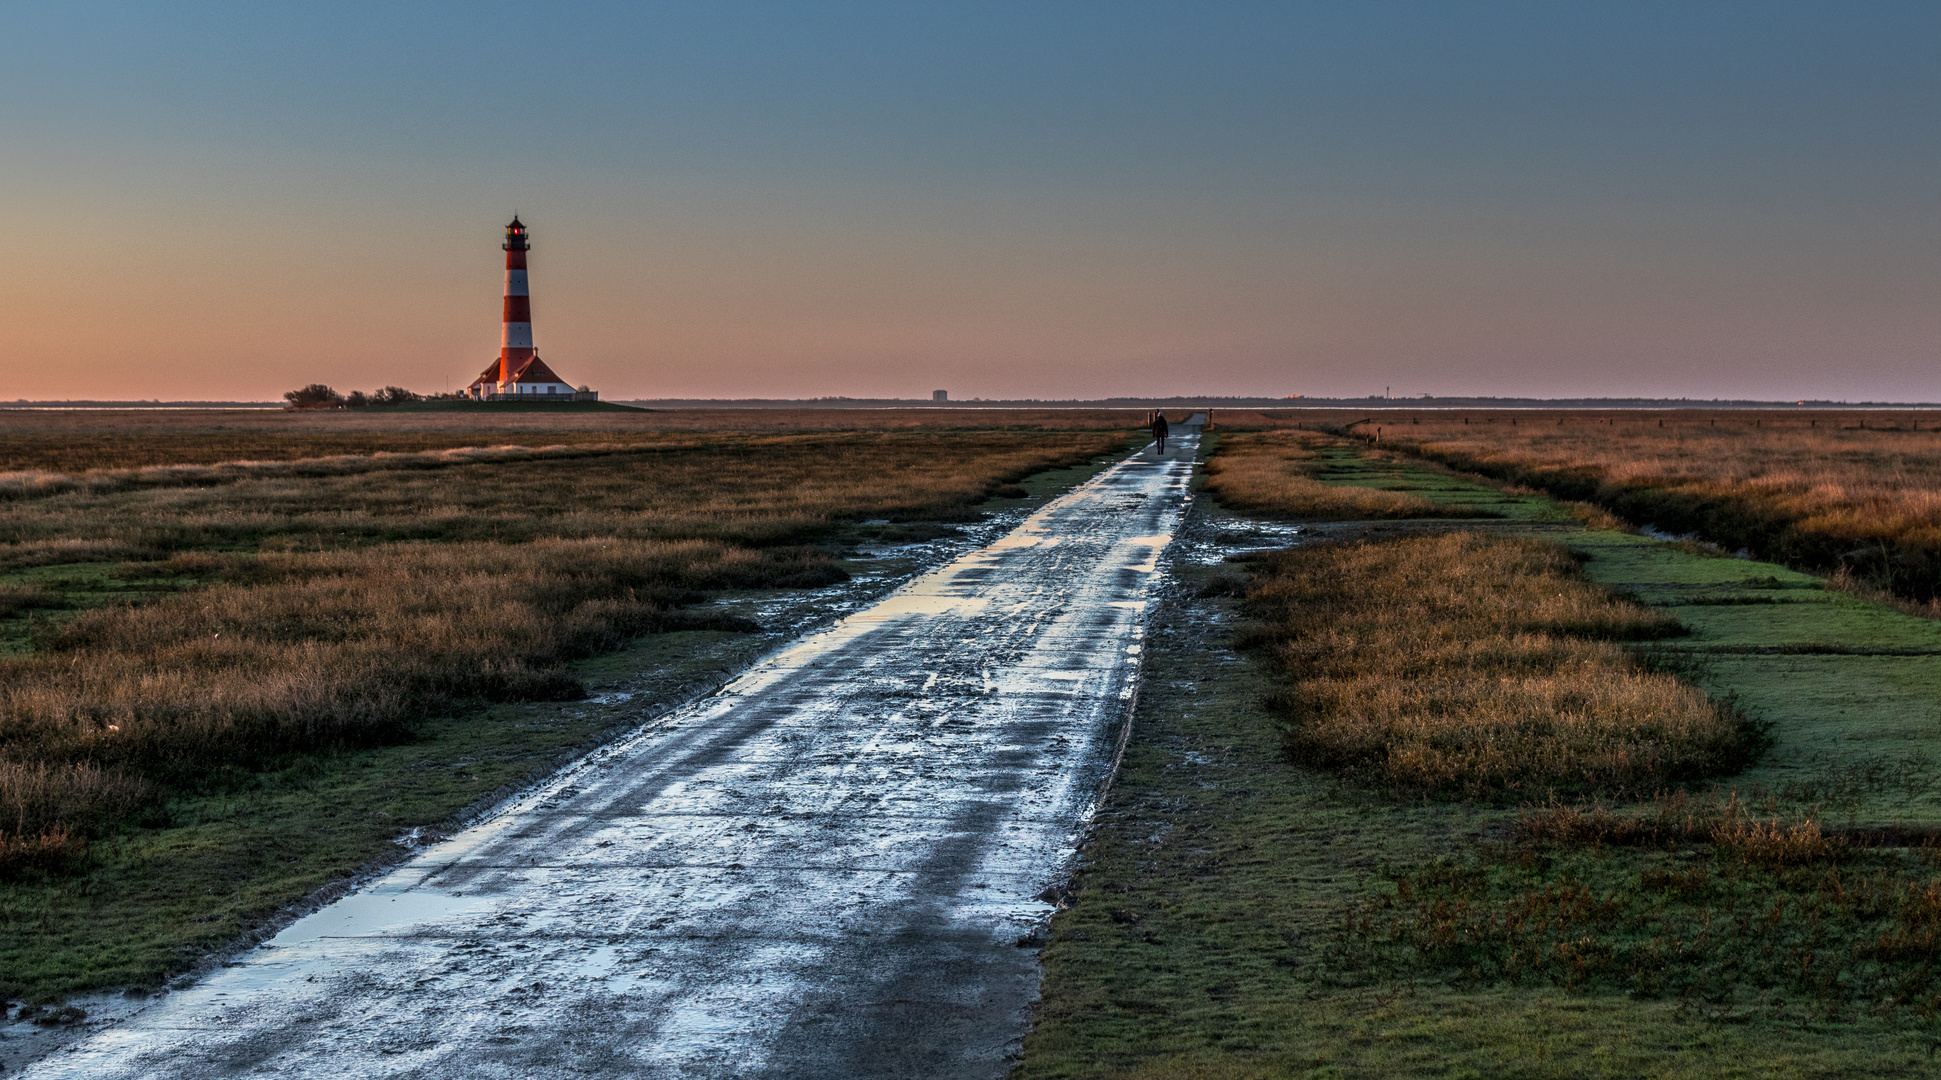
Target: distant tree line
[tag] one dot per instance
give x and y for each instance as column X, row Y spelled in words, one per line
column 319, row 396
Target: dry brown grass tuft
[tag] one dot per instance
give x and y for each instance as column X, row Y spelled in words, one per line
column 47, row 811
column 1463, row 664
column 1774, row 844
column 1270, row 474
column 1676, row 818
column 39, row 853
column 37, row 798
column 18, row 598
column 347, row 648
column 1679, row 819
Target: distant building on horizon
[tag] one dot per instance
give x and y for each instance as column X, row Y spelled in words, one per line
column 519, row 373
column 940, row 395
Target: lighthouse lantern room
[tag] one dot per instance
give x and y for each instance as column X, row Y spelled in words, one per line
column 519, row 373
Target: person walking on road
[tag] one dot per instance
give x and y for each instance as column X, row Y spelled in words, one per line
column 1159, row 430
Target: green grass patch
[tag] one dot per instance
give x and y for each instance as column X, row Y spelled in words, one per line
column 37, row 599
column 1208, row 934
column 1850, row 689
column 1240, row 916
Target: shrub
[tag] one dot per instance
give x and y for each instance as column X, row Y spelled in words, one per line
column 314, row 396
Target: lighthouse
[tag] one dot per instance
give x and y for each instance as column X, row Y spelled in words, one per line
column 520, row 373
column 515, row 339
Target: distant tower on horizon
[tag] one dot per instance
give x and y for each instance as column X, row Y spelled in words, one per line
column 519, row 370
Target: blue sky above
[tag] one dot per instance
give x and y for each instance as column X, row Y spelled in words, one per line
column 1004, row 199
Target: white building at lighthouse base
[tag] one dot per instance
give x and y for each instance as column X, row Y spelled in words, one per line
column 533, row 381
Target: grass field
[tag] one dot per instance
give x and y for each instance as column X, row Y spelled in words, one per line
column 73, row 441
column 1245, row 913
column 1820, row 490
column 1271, row 475
column 220, row 692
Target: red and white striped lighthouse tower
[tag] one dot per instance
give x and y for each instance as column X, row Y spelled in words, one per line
column 515, row 341
column 519, row 370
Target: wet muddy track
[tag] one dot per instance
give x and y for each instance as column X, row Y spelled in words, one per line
column 824, row 870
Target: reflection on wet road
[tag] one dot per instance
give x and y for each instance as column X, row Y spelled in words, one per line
column 825, row 870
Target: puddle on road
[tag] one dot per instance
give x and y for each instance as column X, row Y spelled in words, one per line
column 1239, row 537
column 385, row 910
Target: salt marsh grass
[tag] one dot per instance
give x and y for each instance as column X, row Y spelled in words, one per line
column 1439, row 913
column 1823, row 490
column 76, row 441
column 1464, row 664
column 749, row 489
column 346, row 648
column 1270, row 474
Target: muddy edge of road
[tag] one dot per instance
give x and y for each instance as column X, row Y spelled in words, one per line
column 636, row 703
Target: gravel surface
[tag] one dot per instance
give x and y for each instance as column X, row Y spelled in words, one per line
column 834, row 867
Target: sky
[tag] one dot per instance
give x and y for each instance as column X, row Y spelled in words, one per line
column 1005, row 200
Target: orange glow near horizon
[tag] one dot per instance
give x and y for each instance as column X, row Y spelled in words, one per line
column 1018, row 203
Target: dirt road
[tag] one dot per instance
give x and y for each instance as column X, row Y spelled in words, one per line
column 825, row 870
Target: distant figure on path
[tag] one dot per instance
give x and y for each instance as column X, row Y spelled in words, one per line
column 1159, row 430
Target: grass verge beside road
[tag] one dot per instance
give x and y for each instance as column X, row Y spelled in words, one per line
column 1240, row 914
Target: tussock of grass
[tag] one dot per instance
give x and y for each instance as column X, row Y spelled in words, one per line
column 1676, row 819
column 48, row 811
column 1463, row 664
column 1697, row 900
column 340, row 649
column 37, row 796
column 48, row 851
column 1271, row 475
column 18, row 598
column 328, row 650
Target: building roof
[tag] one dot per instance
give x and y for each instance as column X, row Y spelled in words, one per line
column 534, row 370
